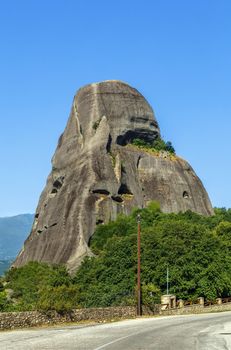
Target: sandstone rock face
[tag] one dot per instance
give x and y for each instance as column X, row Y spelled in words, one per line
column 97, row 173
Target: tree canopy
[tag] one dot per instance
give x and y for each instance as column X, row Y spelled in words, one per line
column 196, row 250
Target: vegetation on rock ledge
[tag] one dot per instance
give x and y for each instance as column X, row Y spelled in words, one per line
column 157, row 145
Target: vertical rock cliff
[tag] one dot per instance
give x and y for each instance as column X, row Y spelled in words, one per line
column 97, row 173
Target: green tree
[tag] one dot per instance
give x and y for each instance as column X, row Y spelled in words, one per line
column 4, row 303
column 195, row 248
column 61, row 298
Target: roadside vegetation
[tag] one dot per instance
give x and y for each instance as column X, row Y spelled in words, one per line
column 196, row 249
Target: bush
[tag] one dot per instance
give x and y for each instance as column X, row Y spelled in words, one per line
column 141, row 143
column 1, row 286
column 28, row 281
column 156, row 145
column 61, row 299
column 3, row 301
column 150, row 294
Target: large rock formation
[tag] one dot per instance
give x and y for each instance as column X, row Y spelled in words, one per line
column 97, row 173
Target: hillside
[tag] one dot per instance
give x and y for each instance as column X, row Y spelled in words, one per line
column 13, row 232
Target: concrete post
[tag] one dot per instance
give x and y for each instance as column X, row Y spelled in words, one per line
column 201, row 301
column 173, row 301
column 168, row 301
column 181, row 304
column 219, row 301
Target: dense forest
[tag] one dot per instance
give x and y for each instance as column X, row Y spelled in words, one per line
column 196, row 250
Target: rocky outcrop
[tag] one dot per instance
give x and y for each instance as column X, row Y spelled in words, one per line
column 97, row 173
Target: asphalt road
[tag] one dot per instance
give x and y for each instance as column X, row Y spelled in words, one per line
column 205, row 331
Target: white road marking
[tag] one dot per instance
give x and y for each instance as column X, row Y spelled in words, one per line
column 116, row 340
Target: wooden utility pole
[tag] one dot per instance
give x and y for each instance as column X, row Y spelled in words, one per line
column 139, row 307
column 167, row 281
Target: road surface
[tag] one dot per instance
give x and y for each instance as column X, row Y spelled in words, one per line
column 204, row 331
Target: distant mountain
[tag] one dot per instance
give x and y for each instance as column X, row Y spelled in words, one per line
column 13, row 232
column 4, row 265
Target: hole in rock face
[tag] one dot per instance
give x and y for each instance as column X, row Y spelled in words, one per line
column 108, row 146
column 117, row 199
column 123, row 170
column 124, row 189
column 101, row 191
column 36, row 216
column 124, row 186
column 99, row 222
column 142, row 134
column 39, row 231
column 185, row 195
column 57, row 184
column 138, row 162
column 54, row 224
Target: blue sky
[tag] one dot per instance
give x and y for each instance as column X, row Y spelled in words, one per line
column 176, row 53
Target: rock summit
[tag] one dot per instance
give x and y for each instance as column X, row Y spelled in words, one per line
column 98, row 173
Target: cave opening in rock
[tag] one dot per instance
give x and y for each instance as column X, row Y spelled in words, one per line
column 57, row 184
column 123, row 170
column 117, row 199
column 138, row 162
column 143, row 134
column 124, row 189
column 185, row 195
column 99, row 222
column 108, row 146
column 101, row 191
